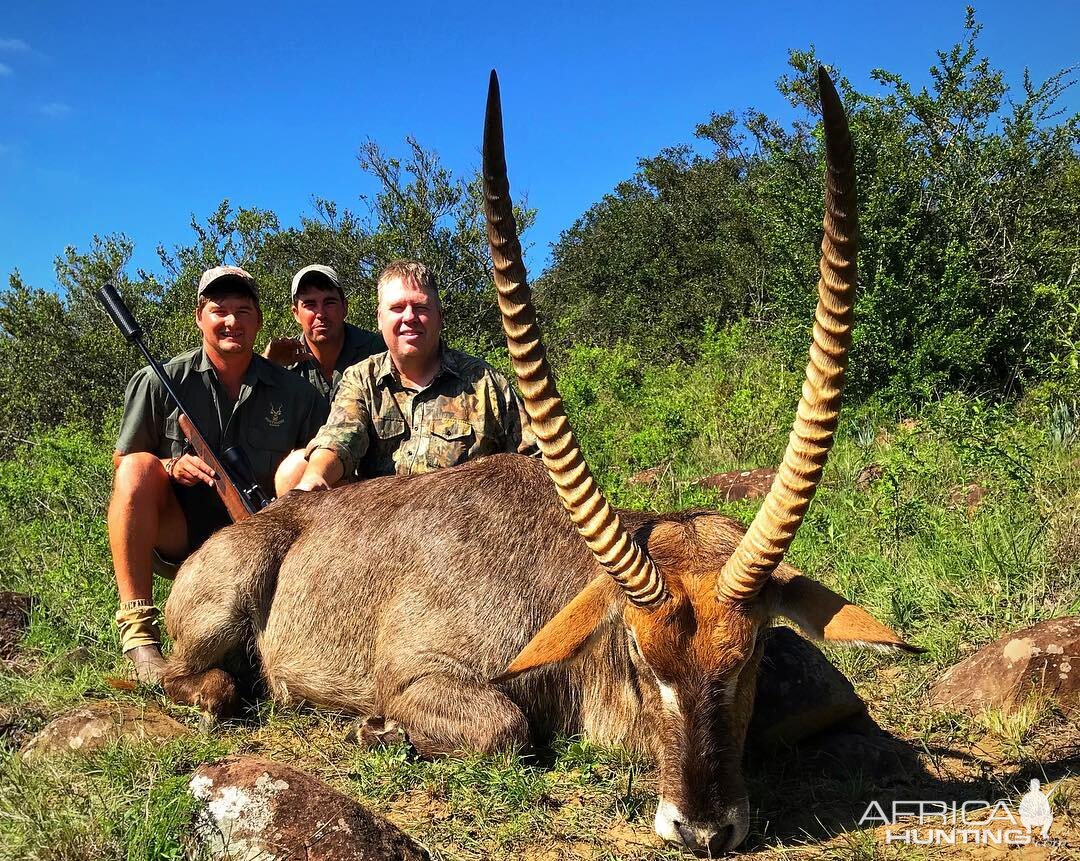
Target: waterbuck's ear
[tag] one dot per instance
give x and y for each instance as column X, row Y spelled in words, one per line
column 824, row 615
column 563, row 637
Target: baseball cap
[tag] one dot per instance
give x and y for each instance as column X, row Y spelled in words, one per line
column 239, row 278
column 327, row 272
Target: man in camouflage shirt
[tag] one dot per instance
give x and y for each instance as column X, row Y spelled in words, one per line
column 420, row 405
column 163, row 502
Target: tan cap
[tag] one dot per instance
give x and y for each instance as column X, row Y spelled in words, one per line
column 211, row 276
column 327, row 271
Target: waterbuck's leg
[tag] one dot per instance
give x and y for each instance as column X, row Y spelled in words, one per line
column 443, row 714
column 208, row 627
column 193, row 674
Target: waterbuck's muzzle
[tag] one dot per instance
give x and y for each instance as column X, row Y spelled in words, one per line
column 707, row 839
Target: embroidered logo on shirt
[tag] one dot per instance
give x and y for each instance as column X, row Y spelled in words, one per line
column 275, row 419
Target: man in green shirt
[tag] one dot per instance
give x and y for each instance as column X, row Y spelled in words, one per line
column 420, row 405
column 326, row 345
column 163, row 503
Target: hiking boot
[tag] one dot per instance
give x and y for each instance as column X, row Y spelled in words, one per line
column 148, row 662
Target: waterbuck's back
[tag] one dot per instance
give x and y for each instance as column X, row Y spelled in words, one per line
column 395, row 579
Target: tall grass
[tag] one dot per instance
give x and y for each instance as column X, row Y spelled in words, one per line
column 955, row 525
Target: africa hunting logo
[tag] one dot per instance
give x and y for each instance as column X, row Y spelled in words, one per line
column 948, row 823
column 275, row 419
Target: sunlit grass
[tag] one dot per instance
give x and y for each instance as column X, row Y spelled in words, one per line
column 905, row 544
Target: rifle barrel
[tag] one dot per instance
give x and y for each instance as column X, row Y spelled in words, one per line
column 129, row 327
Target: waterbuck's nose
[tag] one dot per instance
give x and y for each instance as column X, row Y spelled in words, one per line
column 706, row 839
column 701, row 842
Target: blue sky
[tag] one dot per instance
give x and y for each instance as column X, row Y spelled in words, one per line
column 132, row 117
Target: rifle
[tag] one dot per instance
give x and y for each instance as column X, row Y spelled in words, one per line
column 233, row 478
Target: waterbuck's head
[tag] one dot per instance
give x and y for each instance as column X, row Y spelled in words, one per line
column 695, row 591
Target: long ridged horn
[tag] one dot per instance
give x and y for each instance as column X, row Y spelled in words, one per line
column 597, row 522
column 768, row 537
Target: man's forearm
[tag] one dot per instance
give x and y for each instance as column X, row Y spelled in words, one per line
column 324, row 469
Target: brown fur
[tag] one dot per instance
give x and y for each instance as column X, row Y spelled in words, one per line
column 405, row 597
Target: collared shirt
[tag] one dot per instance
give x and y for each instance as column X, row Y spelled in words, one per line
column 377, row 426
column 275, row 413
column 358, row 345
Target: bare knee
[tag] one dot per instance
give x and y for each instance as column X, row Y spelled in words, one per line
column 290, row 472
column 140, row 473
column 144, row 513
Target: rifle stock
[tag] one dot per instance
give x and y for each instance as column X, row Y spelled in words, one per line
column 226, row 489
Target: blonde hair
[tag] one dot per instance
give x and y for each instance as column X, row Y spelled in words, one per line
column 413, row 272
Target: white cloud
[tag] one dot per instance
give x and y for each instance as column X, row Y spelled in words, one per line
column 14, row 46
column 5, row 71
column 55, row 109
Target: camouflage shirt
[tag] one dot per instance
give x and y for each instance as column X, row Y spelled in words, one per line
column 275, row 413
column 377, row 426
column 358, row 345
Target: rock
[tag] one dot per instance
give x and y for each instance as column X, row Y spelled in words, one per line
column 92, row 726
column 14, row 619
column 745, row 484
column 375, row 731
column 967, row 496
column 1043, row 660
column 867, row 476
column 799, row 692
column 257, row 809
column 648, row 476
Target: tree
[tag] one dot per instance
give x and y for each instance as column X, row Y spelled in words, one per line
column 62, row 362
column 969, row 219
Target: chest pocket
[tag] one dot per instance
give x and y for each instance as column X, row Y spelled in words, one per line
column 388, row 429
column 266, row 448
column 385, row 448
column 451, row 441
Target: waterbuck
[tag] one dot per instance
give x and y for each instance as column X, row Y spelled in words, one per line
column 466, row 605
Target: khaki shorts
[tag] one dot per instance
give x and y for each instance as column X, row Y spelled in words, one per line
column 166, row 568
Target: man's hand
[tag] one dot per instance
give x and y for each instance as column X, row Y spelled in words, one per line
column 324, row 469
column 189, row 470
column 286, row 351
column 314, row 482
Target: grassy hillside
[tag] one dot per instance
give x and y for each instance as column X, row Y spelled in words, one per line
column 955, row 525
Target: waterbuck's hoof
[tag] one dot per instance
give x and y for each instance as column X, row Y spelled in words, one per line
column 148, row 664
column 213, row 692
column 375, row 731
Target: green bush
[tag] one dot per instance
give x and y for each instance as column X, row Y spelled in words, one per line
column 969, row 195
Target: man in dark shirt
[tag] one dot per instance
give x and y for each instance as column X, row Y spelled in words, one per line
column 326, row 345
column 163, row 503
